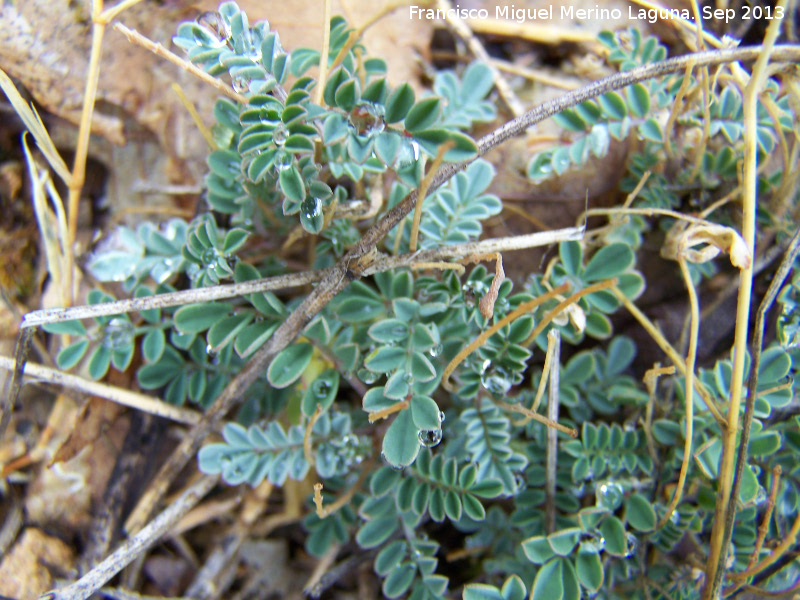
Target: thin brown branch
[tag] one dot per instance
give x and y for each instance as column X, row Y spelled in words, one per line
column 159, row 50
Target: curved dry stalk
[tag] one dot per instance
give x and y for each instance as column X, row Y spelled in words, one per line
column 667, row 348
column 423, row 193
column 691, row 356
column 589, row 289
column 522, row 309
column 324, row 511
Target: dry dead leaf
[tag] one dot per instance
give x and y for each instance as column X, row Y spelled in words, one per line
column 684, row 238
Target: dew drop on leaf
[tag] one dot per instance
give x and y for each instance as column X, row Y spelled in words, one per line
column 283, row 161
column 118, row 334
column 407, row 155
column 367, row 118
column 368, row 376
column 280, row 134
column 609, row 495
column 311, row 207
column 213, row 22
column 429, row 437
column 321, row 388
column 240, row 83
column 497, row 381
column 592, row 542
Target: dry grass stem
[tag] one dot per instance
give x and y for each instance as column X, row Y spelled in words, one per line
column 691, row 357
column 121, row 396
column 522, row 309
column 718, row 547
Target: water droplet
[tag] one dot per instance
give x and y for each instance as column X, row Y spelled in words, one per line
column 209, row 256
column 407, row 155
column 592, row 542
column 240, row 83
column 435, row 350
column 280, row 134
column 311, row 207
column 441, row 416
column 497, row 381
column 213, row 22
column 321, row 388
column 210, row 350
column 630, row 545
column 675, row 518
column 408, row 378
column 609, row 495
column 368, row 376
column 367, row 118
column 520, row 483
column 118, row 334
column 761, row 496
column 429, row 437
column 283, row 161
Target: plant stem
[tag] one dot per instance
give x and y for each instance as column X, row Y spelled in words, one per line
column 718, row 547
column 689, row 393
column 554, row 345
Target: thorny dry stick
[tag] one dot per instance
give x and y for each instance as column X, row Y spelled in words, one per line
column 336, row 279
column 127, row 552
column 763, row 529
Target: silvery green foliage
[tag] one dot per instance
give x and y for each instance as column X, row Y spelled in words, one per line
column 130, row 256
column 457, row 458
column 251, row 455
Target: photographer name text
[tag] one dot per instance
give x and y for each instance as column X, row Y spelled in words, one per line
column 510, row 12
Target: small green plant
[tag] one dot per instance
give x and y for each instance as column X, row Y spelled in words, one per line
column 413, row 394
